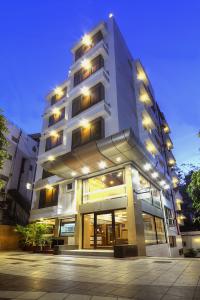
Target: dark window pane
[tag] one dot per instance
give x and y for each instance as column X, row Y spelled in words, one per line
column 48, row 197
column 55, row 118
column 54, row 141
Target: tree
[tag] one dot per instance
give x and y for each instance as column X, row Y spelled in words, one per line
column 194, row 190
column 3, row 143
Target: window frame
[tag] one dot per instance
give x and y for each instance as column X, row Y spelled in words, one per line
column 156, row 233
column 58, row 143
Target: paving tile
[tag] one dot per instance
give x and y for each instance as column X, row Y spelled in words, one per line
column 78, row 297
column 181, row 291
column 54, row 296
column 31, row 295
column 10, row 294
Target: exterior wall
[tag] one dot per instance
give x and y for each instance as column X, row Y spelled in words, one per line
column 158, row 250
column 191, row 239
column 9, row 239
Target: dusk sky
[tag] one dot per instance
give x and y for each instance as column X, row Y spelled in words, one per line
column 36, row 37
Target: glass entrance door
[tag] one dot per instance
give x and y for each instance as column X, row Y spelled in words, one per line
column 104, row 230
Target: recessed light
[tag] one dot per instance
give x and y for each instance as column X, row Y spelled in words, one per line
column 102, row 164
column 73, row 173
column 85, row 91
column 147, row 167
column 86, row 64
column 166, row 187
column 118, row 159
column 51, row 158
column 87, row 40
column 154, row 175
column 85, row 170
column 85, row 123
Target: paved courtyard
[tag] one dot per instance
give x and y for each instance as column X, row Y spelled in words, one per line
column 48, row 277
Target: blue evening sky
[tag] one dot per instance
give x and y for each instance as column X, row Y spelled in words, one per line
column 36, row 37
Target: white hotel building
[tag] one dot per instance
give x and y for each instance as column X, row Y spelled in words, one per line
column 105, row 168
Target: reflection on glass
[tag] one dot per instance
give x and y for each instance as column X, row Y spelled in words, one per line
column 149, row 229
column 88, row 234
column 121, row 227
column 104, row 231
column 160, row 230
column 103, row 187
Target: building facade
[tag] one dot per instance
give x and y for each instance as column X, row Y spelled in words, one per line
column 18, row 174
column 105, row 167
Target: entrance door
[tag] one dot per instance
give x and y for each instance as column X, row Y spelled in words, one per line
column 104, row 230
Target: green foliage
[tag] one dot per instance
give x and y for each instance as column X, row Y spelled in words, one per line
column 3, row 143
column 194, row 190
column 34, row 234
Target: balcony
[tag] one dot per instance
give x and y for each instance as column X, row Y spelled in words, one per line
column 145, row 96
column 57, row 116
column 147, row 121
column 151, row 148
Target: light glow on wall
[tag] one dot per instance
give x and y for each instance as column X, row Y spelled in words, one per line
column 85, row 91
column 85, row 123
column 102, row 164
column 54, row 133
column 58, row 91
column 51, row 158
column 87, row 40
column 86, row 64
column 154, row 175
column 85, row 170
column 151, row 147
column 147, row 167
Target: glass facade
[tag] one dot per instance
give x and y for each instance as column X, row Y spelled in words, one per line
column 106, row 186
column 148, row 192
column 154, row 230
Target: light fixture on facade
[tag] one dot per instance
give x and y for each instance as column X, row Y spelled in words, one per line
column 87, row 40
column 154, row 175
column 54, row 133
column 85, row 123
column 141, row 75
column 166, row 129
column 171, row 162
column 51, row 158
column 166, row 187
column 85, row 170
column 102, row 164
column 151, row 147
column 111, row 182
column 118, row 159
column 48, row 187
column 86, row 64
column 147, row 167
column 56, row 111
column 73, row 173
column 58, row 91
column 162, row 182
column 103, row 178
column 85, row 91
column 110, row 15
column 28, row 186
column 119, row 174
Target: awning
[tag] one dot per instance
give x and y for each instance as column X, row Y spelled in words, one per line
column 114, row 150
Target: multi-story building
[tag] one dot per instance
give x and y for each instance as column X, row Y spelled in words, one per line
column 105, row 167
column 18, row 173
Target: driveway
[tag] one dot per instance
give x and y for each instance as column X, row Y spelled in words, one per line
column 48, row 277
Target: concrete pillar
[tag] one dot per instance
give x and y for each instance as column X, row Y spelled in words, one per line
column 57, row 227
column 134, row 215
column 78, row 199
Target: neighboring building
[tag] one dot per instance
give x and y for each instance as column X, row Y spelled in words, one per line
column 105, row 168
column 191, row 240
column 19, row 174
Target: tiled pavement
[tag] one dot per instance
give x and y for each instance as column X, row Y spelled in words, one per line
column 48, row 277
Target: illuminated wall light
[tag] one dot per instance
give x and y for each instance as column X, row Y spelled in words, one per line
column 103, row 178
column 48, row 187
column 87, row 40
column 119, row 174
column 118, row 159
column 110, row 15
column 85, row 91
column 169, row 145
column 141, row 76
column 53, row 133
column 51, row 158
column 162, row 182
column 85, row 123
column 147, row 167
column 102, row 164
column 171, row 162
column 28, row 186
column 86, row 64
column 58, row 91
column 166, row 129
column 56, row 111
column 150, row 147
column 166, row 187
column 85, row 170
column 154, row 175
column 111, row 182
column 73, row 173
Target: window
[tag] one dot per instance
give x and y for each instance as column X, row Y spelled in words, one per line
column 54, row 141
column 58, row 116
column 48, row 197
column 148, row 192
column 96, row 38
column 82, row 135
column 67, row 227
column 169, row 216
column 55, row 98
column 154, row 230
column 172, row 241
column 96, row 64
column 104, row 187
column 69, row 186
column 14, row 139
column 46, row 174
column 82, row 102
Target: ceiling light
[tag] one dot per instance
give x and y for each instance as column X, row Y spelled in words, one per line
column 58, row 91
column 73, row 173
column 147, row 167
column 86, row 64
column 111, row 182
column 54, row 133
column 85, row 123
column 162, row 182
column 111, row 15
column 28, row 186
column 48, row 187
column 87, row 40
column 56, row 111
column 119, row 174
column 85, row 170
column 118, row 159
column 51, row 158
column 103, row 178
column 102, row 164
column 85, row 91
column 154, row 175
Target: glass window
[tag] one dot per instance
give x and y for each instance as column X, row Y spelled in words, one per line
column 56, row 117
column 88, row 234
column 121, row 227
column 54, row 141
column 106, row 186
column 160, row 230
column 48, row 197
column 149, row 229
column 149, row 192
column 67, row 227
column 156, row 196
